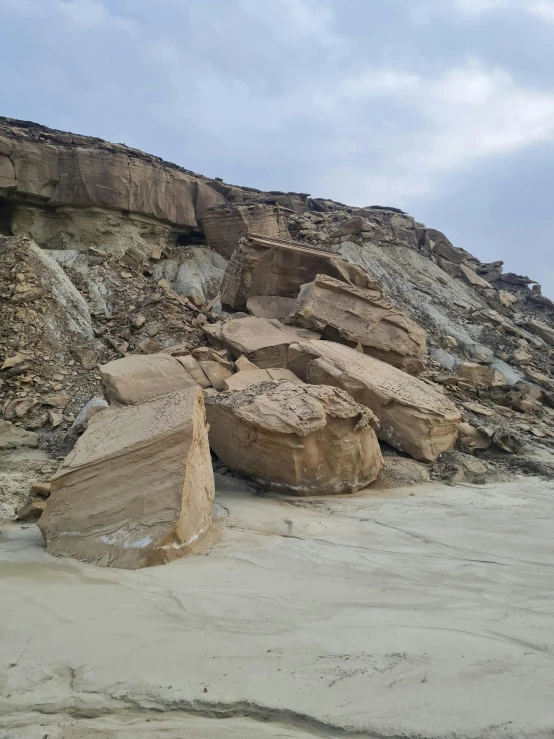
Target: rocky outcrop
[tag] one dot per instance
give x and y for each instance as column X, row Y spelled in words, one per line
column 297, row 439
column 272, row 267
column 413, row 416
column 357, row 316
column 138, row 487
column 263, row 341
column 225, row 224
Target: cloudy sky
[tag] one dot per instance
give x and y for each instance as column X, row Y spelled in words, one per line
column 444, row 108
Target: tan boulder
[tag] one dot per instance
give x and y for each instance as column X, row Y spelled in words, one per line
column 245, row 378
column 191, row 365
column 415, row 417
column 355, row 315
column 136, row 378
column 270, row 306
column 274, row 267
column 473, row 438
column 137, row 489
column 261, row 340
column 296, row 439
column 216, row 373
column 480, row 375
column 539, row 328
column 224, row 225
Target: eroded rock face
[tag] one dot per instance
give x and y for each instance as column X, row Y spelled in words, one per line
column 224, row 225
column 137, row 489
column 261, row 340
column 355, row 315
column 273, row 267
column 294, row 438
column 414, row 417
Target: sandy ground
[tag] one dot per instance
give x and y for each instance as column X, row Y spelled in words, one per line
column 381, row 615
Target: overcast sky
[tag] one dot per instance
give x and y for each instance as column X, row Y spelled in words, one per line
column 444, row 108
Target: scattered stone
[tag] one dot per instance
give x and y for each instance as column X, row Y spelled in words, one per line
column 137, row 378
column 478, row 375
column 14, row 437
column 32, row 511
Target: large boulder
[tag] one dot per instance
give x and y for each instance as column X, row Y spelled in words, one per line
column 261, row 340
column 539, row 328
column 273, row 267
column 355, row 315
column 414, row 416
column 138, row 487
column 137, row 378
column 297, row 439
column 225, row 224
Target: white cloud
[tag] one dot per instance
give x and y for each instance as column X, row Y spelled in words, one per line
column 543, row 9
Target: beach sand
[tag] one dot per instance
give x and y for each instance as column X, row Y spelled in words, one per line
column 421, row 613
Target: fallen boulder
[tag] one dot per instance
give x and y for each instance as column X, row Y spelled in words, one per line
column 261, row 340
column 137, row 378
column 224, row 225
column 355, row 315
column 274, row 267
column 414, row 416
column 479, row 375
column 297, row 439
column 138, row 487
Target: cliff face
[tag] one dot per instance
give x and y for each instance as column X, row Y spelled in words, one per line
column 63, row 189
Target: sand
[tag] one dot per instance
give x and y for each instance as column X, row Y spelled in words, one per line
column 378, row 615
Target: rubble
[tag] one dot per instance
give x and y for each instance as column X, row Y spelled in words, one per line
column 137, row 489
column 295, row 439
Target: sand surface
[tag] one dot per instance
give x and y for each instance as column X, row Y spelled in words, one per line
column 380, row 615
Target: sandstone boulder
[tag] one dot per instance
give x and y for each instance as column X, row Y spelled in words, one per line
column 479, row 375
column 270, row 306
column 224, row 225
column 414, row 416
column 297, row 439
column 137, row 489
column 263, row 341
column 137, row 378
column 355, row 315
column 539, row 328
column 272, row 267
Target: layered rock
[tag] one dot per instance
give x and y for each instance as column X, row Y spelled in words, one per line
column 137, row 489
column 271, row 267
column 294, row 438
column 137, row 378
column 414, row 416
column 224, row 225
column 355, row 315
column 245, row 378
column 263, row 341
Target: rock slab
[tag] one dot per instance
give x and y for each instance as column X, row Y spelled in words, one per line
column 414, row 417
column 296, row 439
column 355, row 315
column 138, row 487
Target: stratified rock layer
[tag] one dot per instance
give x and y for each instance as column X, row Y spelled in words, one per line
column 356, row 315
column 294, row 438
column 137, row 489
column 414, row 417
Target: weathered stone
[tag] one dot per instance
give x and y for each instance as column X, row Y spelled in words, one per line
column 13, row 437
column 273, row 267
column 137, row 489
column 261, row 340
column 472, row 438
column 414, row 417
column 539, row 328
column 480, row 375
column 32, row 511
column 241, row 363
column 270, row 306
column 195, row 371
column 216, row 373
column 224, row 225
column 472, row 278
column 245, row 378
column 294, row 438
column 354, row 315
column 137, row 378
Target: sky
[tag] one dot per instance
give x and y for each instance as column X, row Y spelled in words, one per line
column 444, row 108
